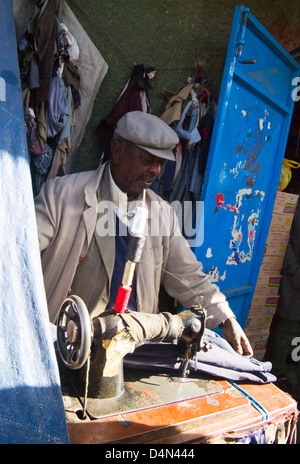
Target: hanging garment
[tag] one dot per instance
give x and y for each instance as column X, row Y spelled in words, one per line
column 66, row 130
column 62, row 149
column 40, row 167
column 34, row 74
column 67, row 44
column 43, row 27
column 134, row 97
column 191, row 134
column 70, row 75
column 193, row 124
column 40, row 153
column 35, row 146
column 95, row 68
column 58, row 111
column 84, row 87
column 25, row 54
column 176, row 100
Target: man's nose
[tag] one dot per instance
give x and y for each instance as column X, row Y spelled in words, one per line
column 155, row 169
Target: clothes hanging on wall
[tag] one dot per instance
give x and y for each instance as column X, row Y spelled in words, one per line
column 134, row 97
column 42, row 33
column 190, row 111
column 43, row 51
column 57, row 95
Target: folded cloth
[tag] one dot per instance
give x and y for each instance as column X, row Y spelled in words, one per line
column 219, row 360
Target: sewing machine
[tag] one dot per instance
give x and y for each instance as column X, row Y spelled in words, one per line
column 107, row 401
column 91, row 354
column 109, row 404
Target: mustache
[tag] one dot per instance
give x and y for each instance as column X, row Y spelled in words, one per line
column 148, row 178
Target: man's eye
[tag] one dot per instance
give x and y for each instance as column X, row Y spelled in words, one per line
column 150, row 161
column 146, row 161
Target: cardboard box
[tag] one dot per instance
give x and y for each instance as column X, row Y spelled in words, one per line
column 278, row 235
column 262, row 310
column 276, row 248
column 258, row 341
column 264, row 301
column 271, row 265
column 260, row 321
column 285, row 203
column 281, row 224
column 267, row 284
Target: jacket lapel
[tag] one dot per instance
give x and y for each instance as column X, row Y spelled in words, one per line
column 105, row 224
column 90, row 212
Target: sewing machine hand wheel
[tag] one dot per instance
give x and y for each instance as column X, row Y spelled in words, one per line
column 74, row 332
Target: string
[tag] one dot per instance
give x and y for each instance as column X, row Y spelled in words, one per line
column 254, row 402
column 175, row 277
column 171, row 274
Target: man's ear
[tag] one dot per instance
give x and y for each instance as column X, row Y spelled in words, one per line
column 116, row 151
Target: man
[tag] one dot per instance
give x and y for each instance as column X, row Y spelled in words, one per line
column 78, row 257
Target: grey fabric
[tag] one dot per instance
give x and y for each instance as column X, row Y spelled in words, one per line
column 57, row 112
column 220, row 360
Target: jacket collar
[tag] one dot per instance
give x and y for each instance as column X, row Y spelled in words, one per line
column 91, row 188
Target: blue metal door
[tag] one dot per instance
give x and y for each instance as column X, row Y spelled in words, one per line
column 246, row 153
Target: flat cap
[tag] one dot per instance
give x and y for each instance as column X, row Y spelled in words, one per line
column 148, row 132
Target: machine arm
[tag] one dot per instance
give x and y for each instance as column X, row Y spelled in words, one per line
column 75, row 331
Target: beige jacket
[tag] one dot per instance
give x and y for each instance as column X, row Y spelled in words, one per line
column 66, row 212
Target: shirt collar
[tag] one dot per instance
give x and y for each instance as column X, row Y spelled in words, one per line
column 125, row 210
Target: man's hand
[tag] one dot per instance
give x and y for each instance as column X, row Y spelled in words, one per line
column 235, row 335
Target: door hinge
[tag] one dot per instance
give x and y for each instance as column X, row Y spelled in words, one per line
column 241, row 39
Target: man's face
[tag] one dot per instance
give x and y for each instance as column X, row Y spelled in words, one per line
column 133, row 168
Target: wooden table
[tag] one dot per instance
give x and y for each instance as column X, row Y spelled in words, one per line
column 217, row 413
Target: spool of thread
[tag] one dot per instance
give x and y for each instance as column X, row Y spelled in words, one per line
column 139, row 221
column 128, row 274
column 122, row 299
column 135, row 249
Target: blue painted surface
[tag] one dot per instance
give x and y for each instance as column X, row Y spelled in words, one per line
column 244, row 164
column 31, row 406
column 251, row 127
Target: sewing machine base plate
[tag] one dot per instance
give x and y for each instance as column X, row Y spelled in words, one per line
column 141, row 390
